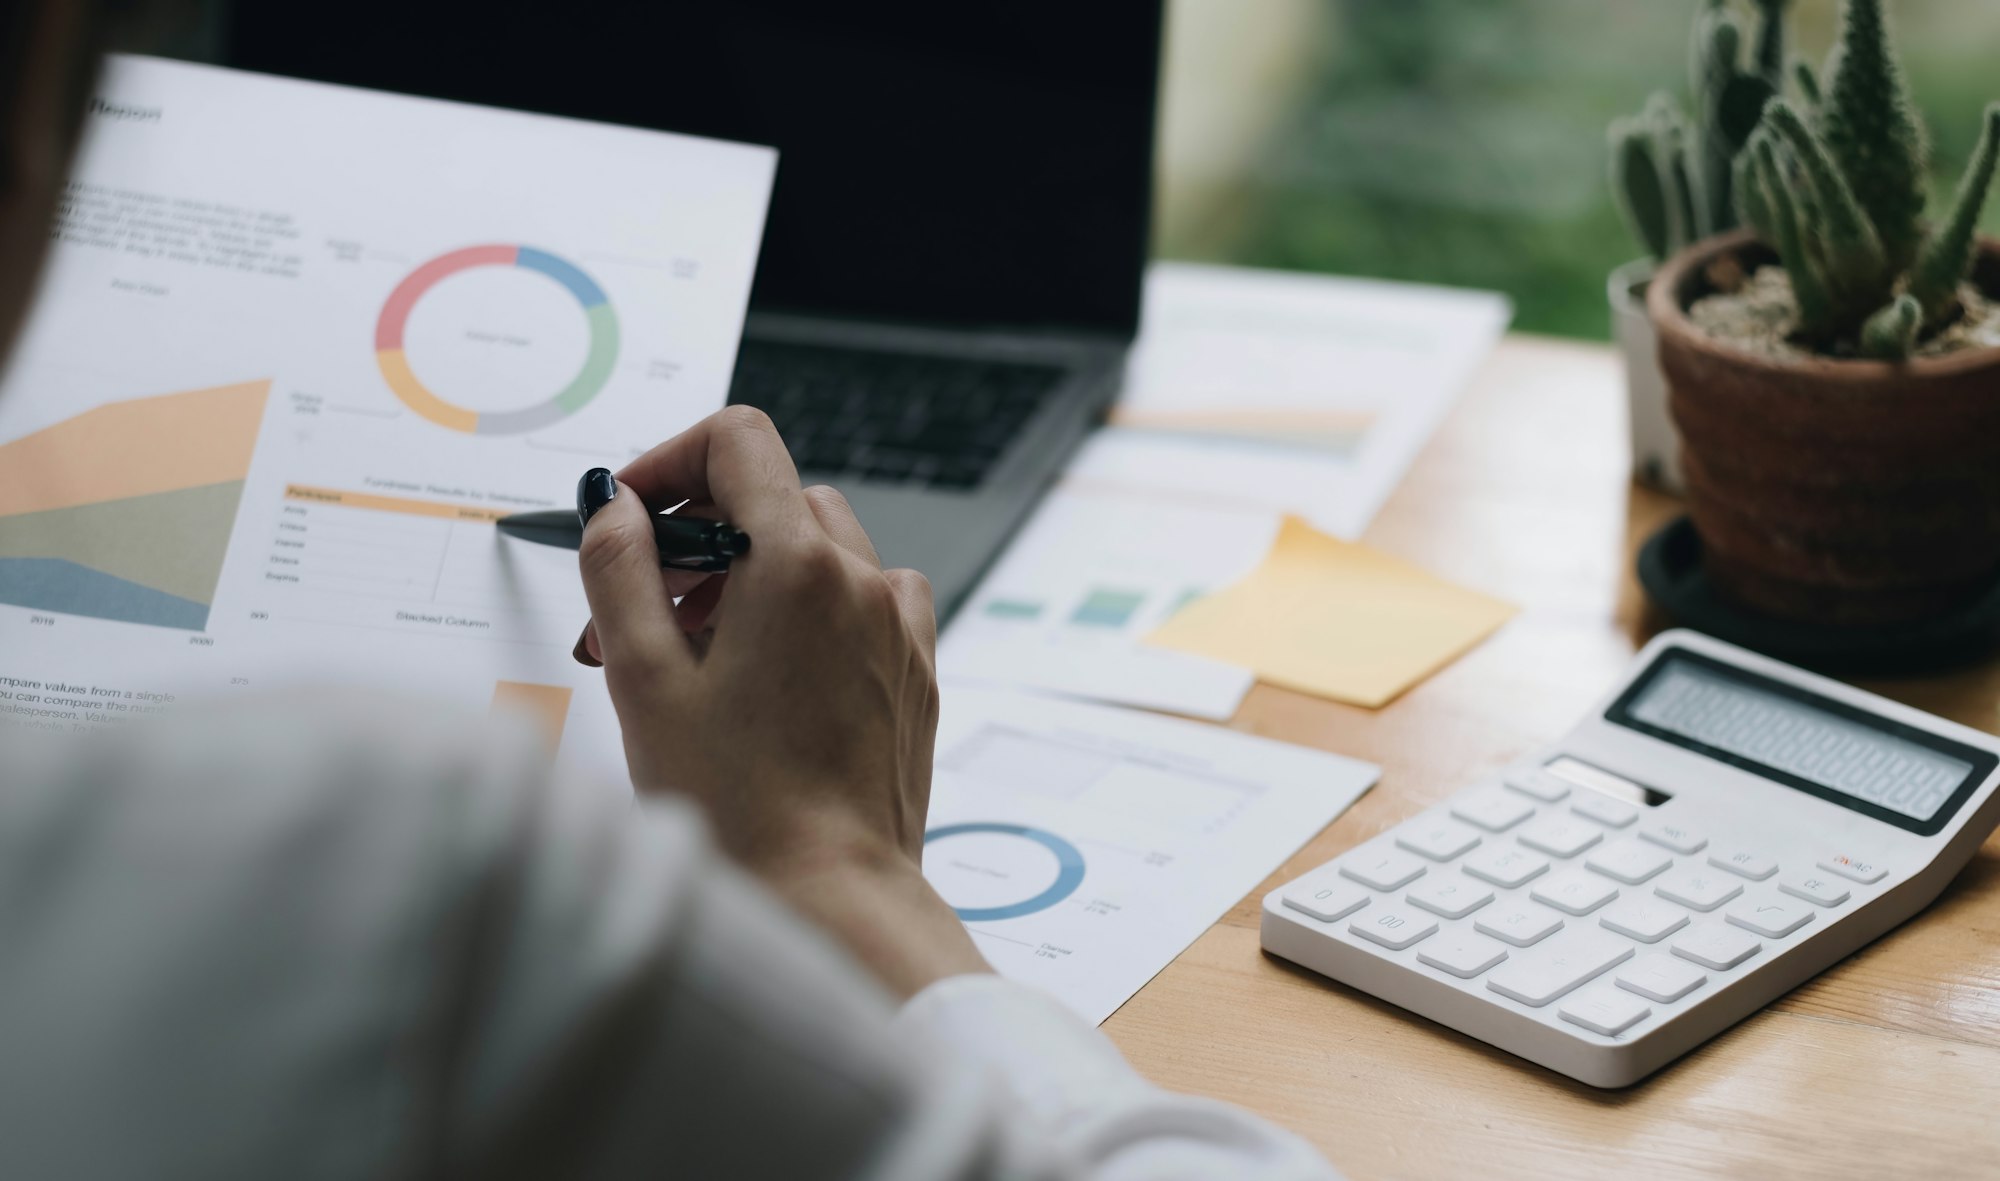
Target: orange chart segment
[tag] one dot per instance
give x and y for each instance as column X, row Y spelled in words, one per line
column 547, row 706
column 393, row 504
column 134, row 448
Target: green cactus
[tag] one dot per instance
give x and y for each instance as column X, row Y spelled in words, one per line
column 1693, row 162
column 1891, row 334
column 1872, row 131
column 1650, row 177
column 1947, row 256
column 1840, row 206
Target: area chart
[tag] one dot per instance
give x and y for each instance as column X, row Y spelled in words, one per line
column 124, row 512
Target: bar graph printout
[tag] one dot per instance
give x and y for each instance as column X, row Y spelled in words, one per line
column 1085, row 847
column 298, row 346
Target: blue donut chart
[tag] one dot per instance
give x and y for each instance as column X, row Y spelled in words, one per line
column 1069, row 870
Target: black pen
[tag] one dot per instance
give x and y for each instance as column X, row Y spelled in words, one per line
column 686, row 543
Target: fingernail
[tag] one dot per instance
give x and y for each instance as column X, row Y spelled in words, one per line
column 593, row 492
column 582, row 650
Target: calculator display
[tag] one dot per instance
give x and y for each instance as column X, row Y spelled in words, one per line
column 1782, row 732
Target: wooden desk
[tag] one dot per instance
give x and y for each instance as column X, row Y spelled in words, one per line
column 1887, row 1065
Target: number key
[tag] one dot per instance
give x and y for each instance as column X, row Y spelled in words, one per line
column 1519, row 924
column 1628, row 861
column 1561, row 836
column 1603, row 809
column 1382, row 868
column 1393, row 927
column 1325, row 898
column 1494, row 811
column 1506, row 867
column 1451, row 895
column 1437, row 838
column 1648, row 920
column 1573, row 891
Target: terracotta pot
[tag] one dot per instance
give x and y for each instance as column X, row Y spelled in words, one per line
column 1837, row 492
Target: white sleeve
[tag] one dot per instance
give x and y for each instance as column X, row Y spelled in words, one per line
column 382, row 943
column 1059, row 1081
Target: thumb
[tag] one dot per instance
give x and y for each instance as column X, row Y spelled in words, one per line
column 630, row 606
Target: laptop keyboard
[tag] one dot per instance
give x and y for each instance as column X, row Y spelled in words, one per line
column 893, row 418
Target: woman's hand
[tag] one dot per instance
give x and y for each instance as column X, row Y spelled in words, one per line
column 793, row 697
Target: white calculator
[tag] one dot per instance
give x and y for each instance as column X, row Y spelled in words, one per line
column 1722, row 829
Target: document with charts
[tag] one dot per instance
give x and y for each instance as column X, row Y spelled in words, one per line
column 299, row 345
column 1085, row 847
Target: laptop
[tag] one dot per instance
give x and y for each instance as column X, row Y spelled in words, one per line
column 951, row 272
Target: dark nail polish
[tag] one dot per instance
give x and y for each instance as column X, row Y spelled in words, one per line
column 593, row 492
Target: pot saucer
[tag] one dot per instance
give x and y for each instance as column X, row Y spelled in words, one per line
column 1670, row 570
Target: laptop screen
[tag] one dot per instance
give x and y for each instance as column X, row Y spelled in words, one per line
column 969, row 165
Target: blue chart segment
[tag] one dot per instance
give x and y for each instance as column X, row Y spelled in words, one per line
column 1069, row 869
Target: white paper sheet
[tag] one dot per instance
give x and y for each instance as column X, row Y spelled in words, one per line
column 1090, row 574
column 1086, row 847
column 304, row 249
column 1287, row 392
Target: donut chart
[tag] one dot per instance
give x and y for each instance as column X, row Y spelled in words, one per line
column 589, row 380
column 1069, row 869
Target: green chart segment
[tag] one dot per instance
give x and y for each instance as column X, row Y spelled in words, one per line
column 125, row 512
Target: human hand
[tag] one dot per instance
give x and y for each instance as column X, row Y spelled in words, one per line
column 793, row 697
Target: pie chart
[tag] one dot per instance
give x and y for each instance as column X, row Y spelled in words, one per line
column 989, row 870
column 599, row 320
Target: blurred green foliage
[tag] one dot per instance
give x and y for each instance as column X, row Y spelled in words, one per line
column 1463, row 141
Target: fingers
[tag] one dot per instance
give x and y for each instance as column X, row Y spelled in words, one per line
column 632, row 615
column 835, row 516
column 913, row 595
column 733, row 460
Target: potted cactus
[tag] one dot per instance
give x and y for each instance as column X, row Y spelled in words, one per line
column 1673, row 179
column 1834, row 369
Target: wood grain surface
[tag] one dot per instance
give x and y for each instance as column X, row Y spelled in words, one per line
column 1887, row 1065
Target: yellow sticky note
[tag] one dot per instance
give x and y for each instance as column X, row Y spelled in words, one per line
column 1335, row 619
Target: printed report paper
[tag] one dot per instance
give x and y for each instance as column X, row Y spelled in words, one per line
column 1085, row 847
column 1065, row 608
column 299, row 345
column 1284, row 392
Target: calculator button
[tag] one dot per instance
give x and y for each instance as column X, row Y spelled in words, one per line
column 1628, row 861
column 1327, row 899
column 1606, row 1011
column 1754, row 866
column 1573, row 891
column 1537, row 782
column 1675, row 837
column 1815, row 889
column 1522, row 926
column 1648, row 920
column 1494, row 811
column 1382, row 868
column 1773, row 920
column 1661, row 977
column 1439, row 840
column 1451, row 895
column 1462, row 953
column 1702, row 889
column 1720, row 948
column 1603, row 809
column 1559, row 966
column 1865, row 872
column 1561, row 836
column 1505, row 867
column 1393, row 927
